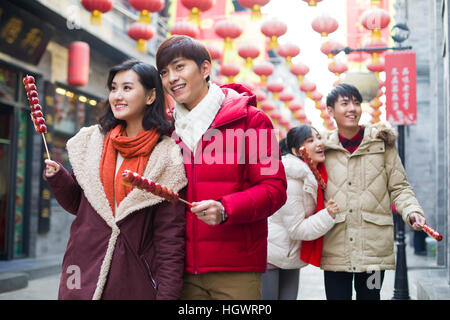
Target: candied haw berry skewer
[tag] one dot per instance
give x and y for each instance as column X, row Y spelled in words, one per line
column 133, row 179
column 37, row 116
column 313, row 168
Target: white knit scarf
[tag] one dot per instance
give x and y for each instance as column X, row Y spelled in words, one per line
column 191, row 125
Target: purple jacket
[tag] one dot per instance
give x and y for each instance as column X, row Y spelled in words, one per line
column 139, row 253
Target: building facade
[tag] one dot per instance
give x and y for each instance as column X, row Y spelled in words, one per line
column 34, row 39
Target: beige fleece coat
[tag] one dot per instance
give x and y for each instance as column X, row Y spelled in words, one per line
column 364, row 184
column 296, row 221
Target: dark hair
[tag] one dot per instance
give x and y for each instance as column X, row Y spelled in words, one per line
column 343, row 90
column 181, row 46
column 283, row 146
column 154, row 116
column 296, row 136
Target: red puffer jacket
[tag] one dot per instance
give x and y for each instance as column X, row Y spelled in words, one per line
column 245, row 173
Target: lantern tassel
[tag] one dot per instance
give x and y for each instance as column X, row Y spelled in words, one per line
column 141, row 45
column 144, row 17
column 256, row 12
column 96, row 17
column 194, row 16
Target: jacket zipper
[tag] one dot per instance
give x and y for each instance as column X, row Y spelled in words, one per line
column 194, row 220
column 152, row 280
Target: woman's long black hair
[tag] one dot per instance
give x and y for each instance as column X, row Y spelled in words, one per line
column 295, row 138
column 155, row 116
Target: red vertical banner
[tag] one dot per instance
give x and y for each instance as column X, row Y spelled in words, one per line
column 401, row 101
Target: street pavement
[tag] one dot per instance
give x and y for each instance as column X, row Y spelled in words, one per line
column 311, row 286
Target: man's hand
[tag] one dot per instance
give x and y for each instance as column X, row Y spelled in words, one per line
column 416, row 220
column 208, row 211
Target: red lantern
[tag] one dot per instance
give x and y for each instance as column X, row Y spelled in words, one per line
column 185, row 28
column 145, row 7
column 286, row 97
column 300, row 115
column 196, row 7
column 255, row 5
column 214, row 52
column 141, row 32
column 324, row 25
column 263, row 69
column 275, row 87
column 375, row 44
column 248, row 52
column 228, row 30
column 299, row 70
column 97, row 7
column 273, row 29
column 295, row 106
column 267, row 106
column 288, row 51
column 78, row 72
column 308, row 87
column 375, row 19
column 275, row 115
column 329, row 46
column 316, row 96
column 312, row 3
column 230, row 70
column 376, row 67
column 337, row 67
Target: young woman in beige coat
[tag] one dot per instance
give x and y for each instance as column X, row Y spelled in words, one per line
column 303, row 219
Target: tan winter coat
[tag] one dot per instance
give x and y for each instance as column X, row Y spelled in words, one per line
column 364, row 184
column 296, row 221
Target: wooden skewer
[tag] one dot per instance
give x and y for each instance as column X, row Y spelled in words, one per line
column 46, row 148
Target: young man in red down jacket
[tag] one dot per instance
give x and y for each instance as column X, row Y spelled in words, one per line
column 236, row 178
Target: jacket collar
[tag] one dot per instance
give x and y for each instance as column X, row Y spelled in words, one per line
column 235, row 105
column 85, row 151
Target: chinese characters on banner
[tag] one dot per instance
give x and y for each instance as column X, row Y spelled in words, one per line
column 401, row 104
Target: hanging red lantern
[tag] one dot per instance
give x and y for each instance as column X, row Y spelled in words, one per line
column 275, row 87
column 308, row 87
column 286, row 97
column 214, row 52
column 312, row 3
column 288, row 51
column 141, row 32
column 299, row 70
column 300, row 115
column 97, row 7
column 78, row 71
column 185, row 28
column 374, row 44
column 230, row 71
column 375, row 19
column 267, row 106
column 228, row 30
column 295, row 106
column 248, row 52
column 376, row 67
column 145, row 7
column 330, row 45
column 275, row 115
column 196, row 7
column 273, row 29
column 255, row 5
column 263, row 70
column 324, row 25
column 337, row 67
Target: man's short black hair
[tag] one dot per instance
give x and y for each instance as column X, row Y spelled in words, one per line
column 343, row 90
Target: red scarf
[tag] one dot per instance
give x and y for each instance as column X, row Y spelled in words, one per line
column 135, row 151
column 311, row 251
